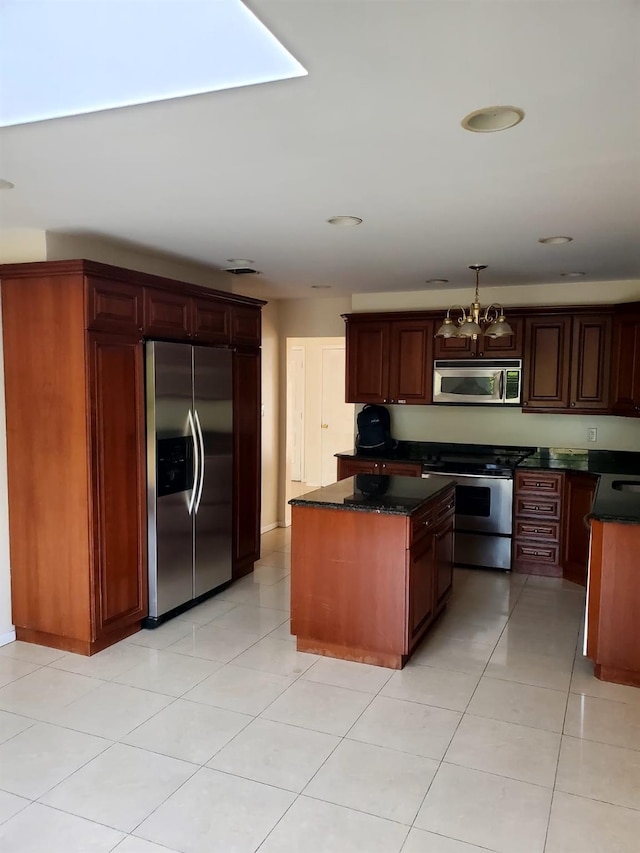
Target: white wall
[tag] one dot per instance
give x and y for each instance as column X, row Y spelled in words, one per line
column 569, row 293
column 483, row 425
column 22, row 245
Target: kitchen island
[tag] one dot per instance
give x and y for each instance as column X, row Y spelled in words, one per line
column 371, row 566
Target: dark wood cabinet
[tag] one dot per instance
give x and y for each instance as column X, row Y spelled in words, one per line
column 443, row 549
column 118, row 476
column 567, row 363
column 245, row 326
column 367, row 353
column 210, row 321
column 167, row 314
column 246, row 460
column 76, row 465
column 537, row 512
column 421, row 581
column 625, row 374
column 546, row 362
column 579, row 489
column 352, row 467
column 389, row 361
column 75, row 410
column 510, row 346
column 114, row 306
column 591, row 363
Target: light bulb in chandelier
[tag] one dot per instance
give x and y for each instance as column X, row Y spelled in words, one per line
column 471, row 321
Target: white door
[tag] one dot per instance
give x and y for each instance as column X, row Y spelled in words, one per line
column 296, row 366
column 337, row 416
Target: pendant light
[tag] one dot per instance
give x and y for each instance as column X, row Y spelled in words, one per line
column 471, row 321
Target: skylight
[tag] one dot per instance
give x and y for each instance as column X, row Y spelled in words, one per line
column 66, row 57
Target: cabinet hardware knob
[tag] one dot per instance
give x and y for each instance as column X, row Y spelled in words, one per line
column 525, row 403
column 573, row 404
column 384, row 465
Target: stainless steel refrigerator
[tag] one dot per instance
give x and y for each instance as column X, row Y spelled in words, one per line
column 190, row 474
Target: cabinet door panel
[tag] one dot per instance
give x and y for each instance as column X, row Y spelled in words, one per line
column 510, row 346
column 246, row 462
column 167, row 315
column 443, row 546
column 626, row 366
column 578, row 499
column 421, row 587
column 367, row 362
column 119, row 483
column 411, row 373
column 113, row 306
column 211, row 321
column 454, row 348
column 591, row 363
column 245, row 326
column 546, row 382
column 353, row 467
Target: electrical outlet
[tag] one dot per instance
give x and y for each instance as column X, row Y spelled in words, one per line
column 592, row 434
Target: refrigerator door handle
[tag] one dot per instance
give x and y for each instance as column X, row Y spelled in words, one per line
column 201, row 467
column 196, row 462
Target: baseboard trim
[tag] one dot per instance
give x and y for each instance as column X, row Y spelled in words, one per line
column 7, row 638
column 269, row 527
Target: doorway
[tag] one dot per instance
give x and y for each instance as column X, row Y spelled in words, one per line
column 319, row 423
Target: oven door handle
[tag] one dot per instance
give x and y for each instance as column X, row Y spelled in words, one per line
column 426, row 474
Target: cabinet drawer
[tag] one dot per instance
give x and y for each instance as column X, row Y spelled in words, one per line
column 399, row 469
column 536, row 552
column 537, row 506
column 537, row 529
column 422, row 522
column 446, row 506
column 538, row 482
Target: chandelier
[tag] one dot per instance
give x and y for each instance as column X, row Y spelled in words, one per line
column 471, row 321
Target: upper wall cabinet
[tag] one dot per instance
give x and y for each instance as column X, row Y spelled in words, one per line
column 625, row 374
column 567, row 362
column 510, row 346
column 167, row 314
column 113, row 306
column 389, row 361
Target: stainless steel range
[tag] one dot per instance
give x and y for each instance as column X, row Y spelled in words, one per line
column 484, row 501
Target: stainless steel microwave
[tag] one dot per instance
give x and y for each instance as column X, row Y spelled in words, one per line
column 462, row 382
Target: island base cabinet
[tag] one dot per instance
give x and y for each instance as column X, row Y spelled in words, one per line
column 613, row 602
column 366, row 586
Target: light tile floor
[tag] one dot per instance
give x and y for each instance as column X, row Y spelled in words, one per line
column 213, row 734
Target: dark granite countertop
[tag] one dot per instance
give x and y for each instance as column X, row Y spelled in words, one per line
column 617, row 499
column 395, row 496
column 610, row 504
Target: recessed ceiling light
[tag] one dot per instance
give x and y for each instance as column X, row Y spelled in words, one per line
column 491, row 119
column 554, row 241
column 321, row 286
column 344, row 220
column 6, row 185
column 572, row 274
column 437, row 281
column 240, row 262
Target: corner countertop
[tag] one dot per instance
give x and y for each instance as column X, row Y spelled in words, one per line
column 395, row 495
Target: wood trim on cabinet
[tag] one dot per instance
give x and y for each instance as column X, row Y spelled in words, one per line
column 113, row 306
column 246, row 460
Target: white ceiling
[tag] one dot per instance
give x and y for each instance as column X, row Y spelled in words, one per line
column 373, row 131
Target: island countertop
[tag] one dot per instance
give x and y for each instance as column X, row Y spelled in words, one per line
column 394, row 495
